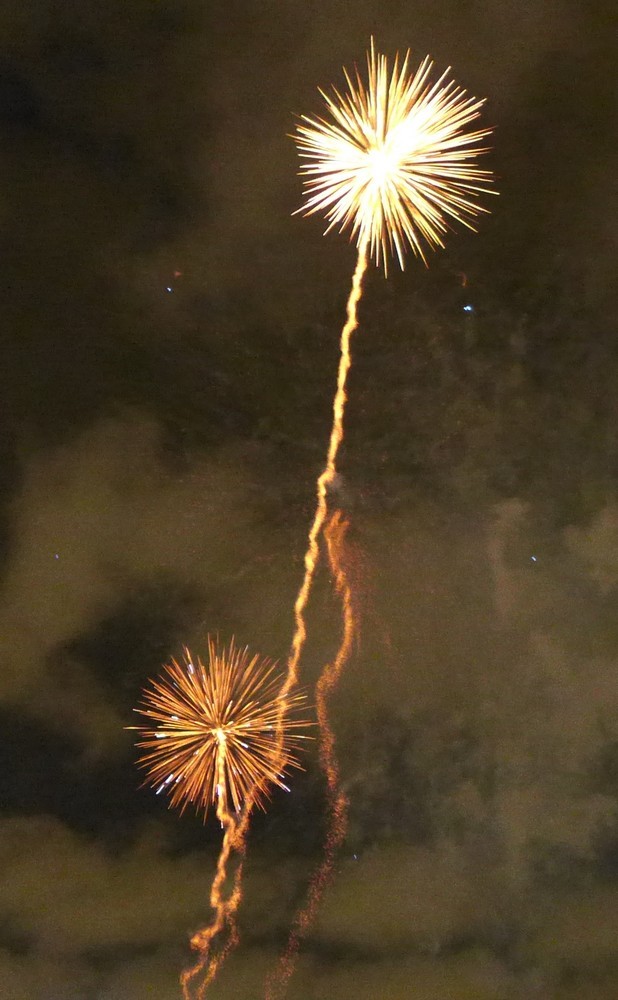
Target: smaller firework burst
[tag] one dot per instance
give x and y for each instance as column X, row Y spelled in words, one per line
column 212, row 731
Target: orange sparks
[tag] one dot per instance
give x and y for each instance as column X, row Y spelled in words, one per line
column 216, row 734
column 334, row 533
column 213, row 730
column 224, row 907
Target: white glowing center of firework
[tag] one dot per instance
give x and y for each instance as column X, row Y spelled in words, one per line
column 219, row 735
column 382, row 164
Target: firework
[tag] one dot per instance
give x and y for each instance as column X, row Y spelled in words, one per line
column 392, row 159
column 219, row 734
column 392, row 162
column 211, row 730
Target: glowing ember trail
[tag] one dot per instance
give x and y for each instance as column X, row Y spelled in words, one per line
column 215, row 734
column 324, row 481
column 326, row 477
column 334, row 533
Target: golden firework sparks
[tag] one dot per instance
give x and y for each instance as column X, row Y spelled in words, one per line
column 392, row 159
column 219, row 734
column 211, row 730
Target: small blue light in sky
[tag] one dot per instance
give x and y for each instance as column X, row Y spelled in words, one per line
column 468, row 309
column 169, row 289
column 56, row 556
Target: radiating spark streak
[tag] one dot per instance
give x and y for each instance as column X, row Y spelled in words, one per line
column 392, row 160
column 216, row 735
column 277, row 982
column 213, row 726
column 338, row 808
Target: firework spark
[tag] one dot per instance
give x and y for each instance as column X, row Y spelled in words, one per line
column 218, row 734
column 211, row 731
column 392, row 159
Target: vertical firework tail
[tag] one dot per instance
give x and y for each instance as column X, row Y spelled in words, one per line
column 334, row 533
column 276, row 984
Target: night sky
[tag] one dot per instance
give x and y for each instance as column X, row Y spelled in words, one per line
column 169, row 343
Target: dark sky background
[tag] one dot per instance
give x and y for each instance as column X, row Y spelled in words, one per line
column 161, row 434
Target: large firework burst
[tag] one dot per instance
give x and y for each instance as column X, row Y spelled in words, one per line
column 212, row 732
column 392, row 160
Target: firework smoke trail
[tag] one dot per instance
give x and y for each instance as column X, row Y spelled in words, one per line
column 215, row 735
column 277, row 982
